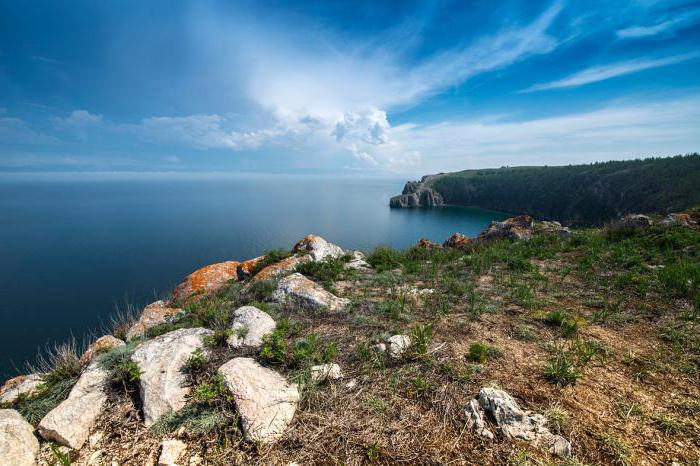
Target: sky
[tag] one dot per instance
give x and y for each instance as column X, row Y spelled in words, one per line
column 356, row 87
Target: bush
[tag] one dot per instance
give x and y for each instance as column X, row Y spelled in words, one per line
column 117, row 361
column 271, row 257
column 561, row 370
column 384, row 258
column 326, row 272
column 196, row 362
column 421, row 336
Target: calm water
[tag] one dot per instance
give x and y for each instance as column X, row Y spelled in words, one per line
column 74, row 247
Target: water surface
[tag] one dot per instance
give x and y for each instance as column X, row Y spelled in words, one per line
column 72, row 247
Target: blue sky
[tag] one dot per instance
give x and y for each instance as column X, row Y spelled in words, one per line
column 359, row 87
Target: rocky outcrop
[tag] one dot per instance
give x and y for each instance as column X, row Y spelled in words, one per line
column 552, row 228
column 18, row 445
column 170, row 452
column 325, row 372
column 101, row 345
column 357, row 262
column 250, row 325
column 318, row 248
column 265, row 401
column 20, row 385
column 635, row 221
column 245, row 269
column 154, row 314
column 70, row 422
column 513, row 422
column 424, row 243
column 280, row 268
column 417, row 194
column 457, row 240
column 206, row 280
column 299, row 290
column 515, row 228
column 163, row 383
column 679, row 219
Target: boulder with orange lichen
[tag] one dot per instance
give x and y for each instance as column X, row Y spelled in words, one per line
column 457, row 240
column 516, row 228
column 154, row 314
column 101, row 345
column 424, row 243
column 206, row 280
column 20, row 385
column 318, row 248
column 246, row 268
column 281, row 267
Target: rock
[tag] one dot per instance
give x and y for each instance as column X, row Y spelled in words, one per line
column 680, row 219
column 265, row 401
column 635, row 221
column 351, row 384
column 281, row 267
column 95, row 438
column 513, row 422
column 457, row 240
column 170, row 452
column 304, row 292
column 154, row 314
column 206, row 280
column 250, row 325
column 18, row 445
column 318, row 248
column 417, row 194
column 101, row 345
column 553, row 228
column 325, row 372
column 196, row 460
column 20, row 385
column 380, row 347
column 424, row 243
column 95, row 458
column 245, row 269
column 397, row 344
column 515, row 228
column 162, row 385
column 70, row 422
column 358, row 262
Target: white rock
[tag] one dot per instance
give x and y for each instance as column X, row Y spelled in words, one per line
column 95, row 438
column 250, row 325
column 358, row 262
column 266, row 402
column 324, row 372
column 352, row 383
column 381, row 347
column 163, row 383
column 20, row 385
column 170, row 452
column 304, row 292
column 475, row 419
column 398, row 344
column 318, row 248
column 95, row 458
column 18, row 445
column 70, row 422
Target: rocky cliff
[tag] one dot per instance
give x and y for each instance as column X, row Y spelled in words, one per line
column 417, row 194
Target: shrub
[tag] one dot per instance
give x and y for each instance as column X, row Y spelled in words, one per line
column 420, row 386
column 421, row 336
column 326, row 272
column 117, row 361
column 271, row 257
column 196, row 362
column 261, row 290
column 384, row 258
column 310, row 350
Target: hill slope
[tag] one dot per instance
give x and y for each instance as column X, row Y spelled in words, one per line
column 575, row 194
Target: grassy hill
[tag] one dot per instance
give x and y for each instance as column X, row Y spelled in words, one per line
column 578, row 194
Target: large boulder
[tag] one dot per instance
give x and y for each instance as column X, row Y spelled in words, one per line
column 457, row 240
column 678, row 219
column 246, row 268
column 20, row 385
column 99, row 346
column 513, row 422
column 154, row 314
column 163, row 383
column 635, row 221
column 304, row 292
column 552, row 228
column 424, row 243
column 250, row 325
column 357, row 261
column 280, row 268
column 318, row 248
column 266, row 402
column 516, row 228
column 70, row 422
column 18, row 445
column 206, row 280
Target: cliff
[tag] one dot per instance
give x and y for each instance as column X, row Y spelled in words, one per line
column 575, row 194
column 509, row 347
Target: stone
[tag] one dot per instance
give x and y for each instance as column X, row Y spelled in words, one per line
column 266, row 402
column 318, row 248
column 457, row 240
column 99, row 346
column 635, row 221
column 357, row 262
column 281, row 267
column 513, row 422
column 324, row 372
column 426, row 244
column 170, row 451
column 246, row 268
column 18, row 445
column 398, row 344
column 304, row 292
column 70, row 422
column 95, row 438
column 680, row 219
column 206, row 280
column 162, row 384
column 550, row 228
column 515, row 228
column 250, row 325
column 154, row 314
column 380, row 347
column 20, row 385
column 95, row 458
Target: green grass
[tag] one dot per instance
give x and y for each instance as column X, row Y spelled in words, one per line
column 421, row 336
column 117, row 361
column 49, row 395
column 325, row 272
column 480, row 352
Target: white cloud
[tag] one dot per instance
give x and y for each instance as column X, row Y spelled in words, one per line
column 17, row 131
column 612, row 70
column 80, row 119
column 666, row 27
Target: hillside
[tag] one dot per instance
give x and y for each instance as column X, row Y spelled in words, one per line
column 574, row 194
column 530, row 344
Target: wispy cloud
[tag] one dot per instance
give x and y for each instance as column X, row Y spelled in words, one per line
column 667, row 27
column 612, row 70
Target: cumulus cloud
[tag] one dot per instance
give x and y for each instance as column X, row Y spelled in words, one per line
column 612, row 70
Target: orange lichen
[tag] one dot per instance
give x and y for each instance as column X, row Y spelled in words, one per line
column 206, row 280
column 285, row 265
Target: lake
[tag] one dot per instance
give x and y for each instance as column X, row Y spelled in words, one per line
column 75, row 247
